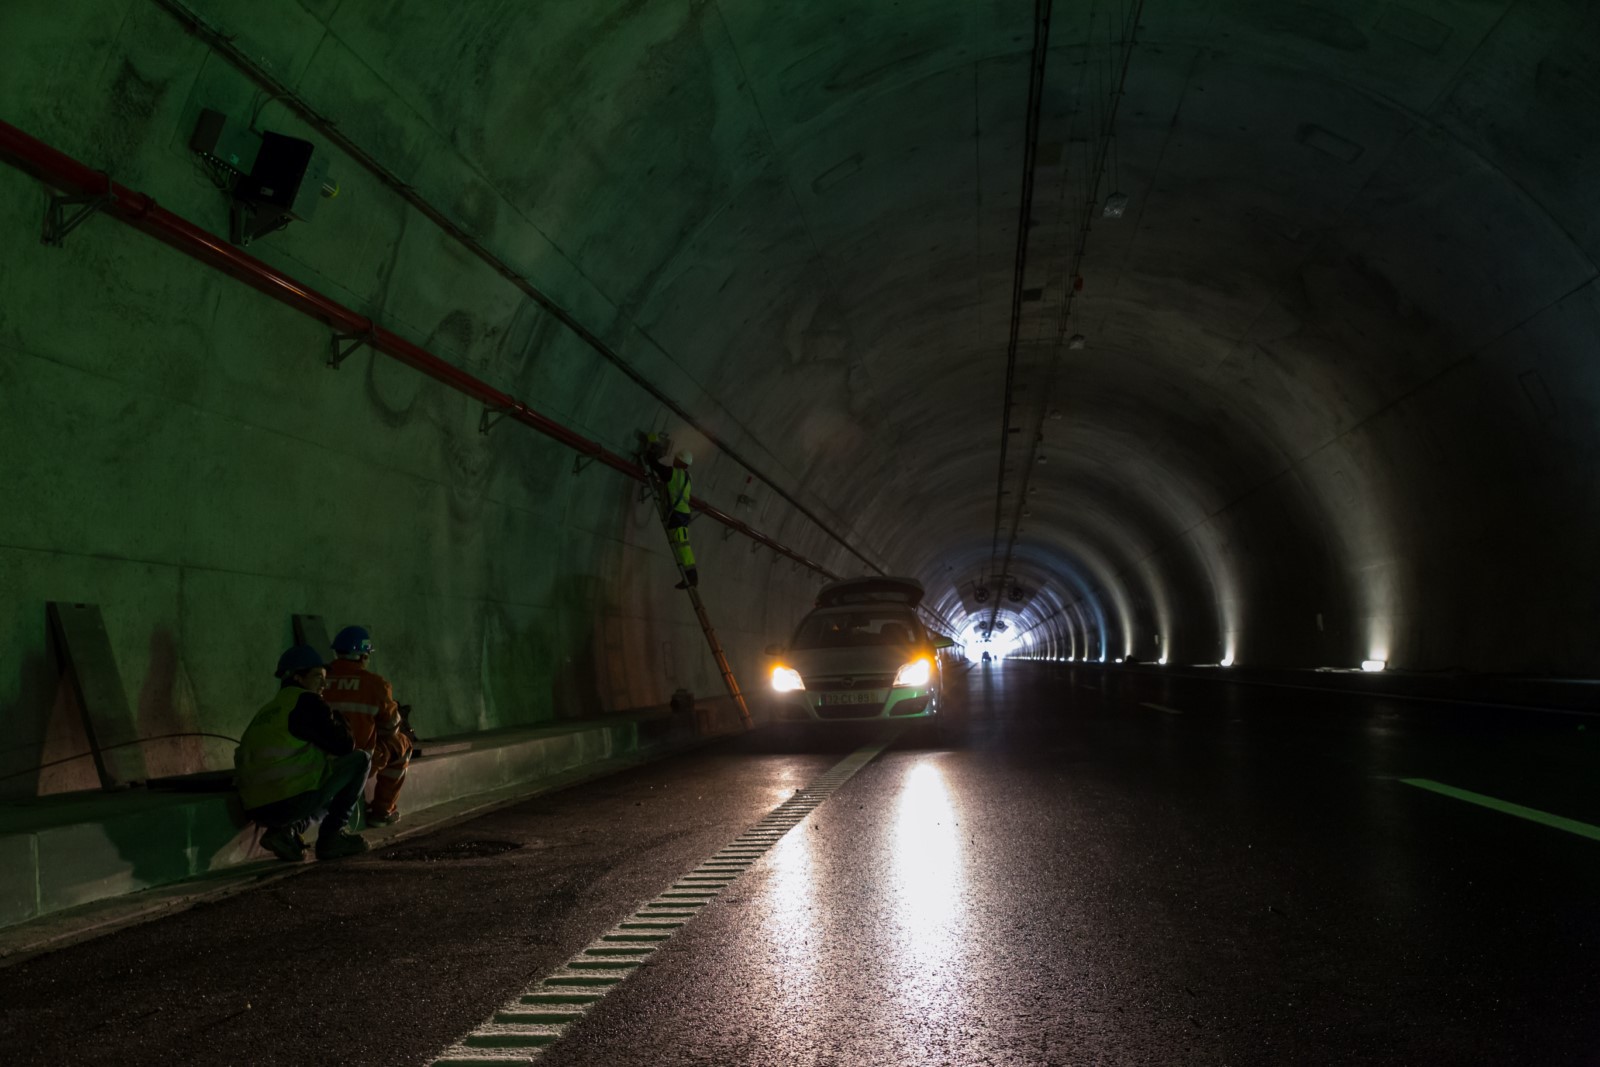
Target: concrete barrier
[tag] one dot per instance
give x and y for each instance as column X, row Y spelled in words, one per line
column 65, row 851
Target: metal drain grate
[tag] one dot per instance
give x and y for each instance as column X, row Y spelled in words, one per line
column 461, row 850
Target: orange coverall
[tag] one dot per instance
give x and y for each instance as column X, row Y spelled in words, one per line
column 367, row 703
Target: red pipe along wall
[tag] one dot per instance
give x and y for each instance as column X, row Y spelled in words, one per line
column 57, row 169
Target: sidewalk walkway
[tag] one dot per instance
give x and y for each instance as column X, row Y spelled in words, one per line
column 78, row 864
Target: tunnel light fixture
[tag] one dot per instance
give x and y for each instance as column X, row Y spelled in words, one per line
column 1076, row 342
column 1162, row 661
column 1374, row 664
column 1116, row 206
column 1226, row 661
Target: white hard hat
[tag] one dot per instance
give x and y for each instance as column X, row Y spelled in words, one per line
column 684, row 456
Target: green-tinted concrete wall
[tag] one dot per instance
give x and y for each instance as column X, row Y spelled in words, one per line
column 176, row 451
column 1338, row 397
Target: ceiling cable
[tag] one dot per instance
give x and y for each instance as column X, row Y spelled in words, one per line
column 1092, row 182
column 1030, row 155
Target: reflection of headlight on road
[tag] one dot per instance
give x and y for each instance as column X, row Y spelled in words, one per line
column 786, row 679
column 914, row 674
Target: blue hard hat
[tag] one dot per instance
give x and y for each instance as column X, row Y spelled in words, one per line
column 352, row 639
column 297, row 659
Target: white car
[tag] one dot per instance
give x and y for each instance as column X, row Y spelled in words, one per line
column 863, row 654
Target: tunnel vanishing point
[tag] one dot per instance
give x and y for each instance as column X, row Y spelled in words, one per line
column 1230, row 333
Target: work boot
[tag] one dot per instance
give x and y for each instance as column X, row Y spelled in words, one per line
column 383, row 818
column 339, row 844
column 284, row 843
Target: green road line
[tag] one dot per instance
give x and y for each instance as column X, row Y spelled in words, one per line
column 1571, row 826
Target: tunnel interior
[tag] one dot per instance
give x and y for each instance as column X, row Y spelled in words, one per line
column 1237, row 333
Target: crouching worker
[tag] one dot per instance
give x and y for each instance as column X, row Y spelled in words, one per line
column 296, row 761
column 366, row 701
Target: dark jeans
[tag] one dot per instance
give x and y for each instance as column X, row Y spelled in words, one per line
column 347, row 777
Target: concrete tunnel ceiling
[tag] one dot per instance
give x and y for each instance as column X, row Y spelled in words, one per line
column 1324, row 349
column 1326, row 390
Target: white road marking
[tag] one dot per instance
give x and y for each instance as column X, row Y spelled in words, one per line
column 537, row 1017
column 1162, row 707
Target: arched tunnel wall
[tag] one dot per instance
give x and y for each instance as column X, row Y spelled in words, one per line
column 183, row 457
column 1338, row 397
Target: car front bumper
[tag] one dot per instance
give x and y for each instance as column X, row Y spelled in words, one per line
column 855, row 705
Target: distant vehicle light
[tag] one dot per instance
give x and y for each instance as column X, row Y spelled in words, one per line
column 786, row 680
column 1374, row 664
column 914, row 674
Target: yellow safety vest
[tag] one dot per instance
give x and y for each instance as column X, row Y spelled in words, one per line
column 271, row 763
column 678, row 491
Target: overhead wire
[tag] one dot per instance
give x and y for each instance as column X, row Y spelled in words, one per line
column 1094, row 173
column 995, row 575
column 1030, row 154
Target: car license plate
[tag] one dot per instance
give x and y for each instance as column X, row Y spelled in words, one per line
column 858, row 696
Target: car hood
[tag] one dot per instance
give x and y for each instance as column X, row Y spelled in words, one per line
column 834, row 662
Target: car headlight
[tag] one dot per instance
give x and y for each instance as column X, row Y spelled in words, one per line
column 786, row 680
column 915, row 674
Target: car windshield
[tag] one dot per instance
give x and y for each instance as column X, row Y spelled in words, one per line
column 846, row 630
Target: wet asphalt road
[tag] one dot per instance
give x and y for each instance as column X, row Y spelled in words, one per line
column 1102, row 868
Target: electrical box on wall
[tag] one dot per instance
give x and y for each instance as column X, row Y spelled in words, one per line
column 272, row 179
column 224, row 142
column 287, row 175
column 284, row 185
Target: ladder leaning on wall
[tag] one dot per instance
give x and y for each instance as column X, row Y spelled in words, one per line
column 658, row 494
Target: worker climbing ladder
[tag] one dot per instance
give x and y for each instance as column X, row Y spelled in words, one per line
column 659, row 495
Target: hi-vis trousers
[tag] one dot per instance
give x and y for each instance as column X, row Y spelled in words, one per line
column 390, row 758
column 680, row 546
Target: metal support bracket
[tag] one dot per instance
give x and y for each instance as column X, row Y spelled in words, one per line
column 485, row 423
column 57, row 223
column 580, row 463
column 338, row 351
